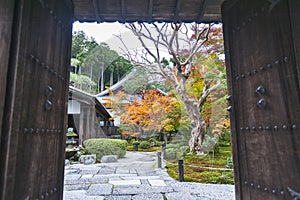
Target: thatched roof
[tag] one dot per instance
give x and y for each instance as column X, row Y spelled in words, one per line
column 147, row 10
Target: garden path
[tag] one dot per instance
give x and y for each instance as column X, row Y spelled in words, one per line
column 135, row 177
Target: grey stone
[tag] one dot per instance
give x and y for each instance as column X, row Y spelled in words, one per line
column 81, row 186
column 99, row 189
column 144, row 182
column 109, row 159
column 100, row 179
column 141, row 189
column 179, row 195
column 125, row 182
column 79, row 195
column 127, row 197
column 156, row 196
column 67, row 164
column 87, row 178
column 72, row 178
column 88, row 159
column 89, row 171
column 158, row 183
column 72, row 171
column 139, row 177
column 107, row 170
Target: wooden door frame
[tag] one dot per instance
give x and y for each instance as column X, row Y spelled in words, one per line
column 234, row 27
column 19, row 60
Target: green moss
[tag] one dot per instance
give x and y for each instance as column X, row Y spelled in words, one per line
column 216, row 160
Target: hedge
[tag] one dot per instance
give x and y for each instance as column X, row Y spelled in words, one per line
column 103, row 146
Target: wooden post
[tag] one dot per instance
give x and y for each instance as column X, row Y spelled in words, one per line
column 163, row 147
column 180, row 170
column 159, row 159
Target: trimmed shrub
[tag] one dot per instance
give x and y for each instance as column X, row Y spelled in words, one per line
column 144, row 145
column 135, row 142
column 171, row 154
column 103, row 146
column 175, row 151
column 156, row 142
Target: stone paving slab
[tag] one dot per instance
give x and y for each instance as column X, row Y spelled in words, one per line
column 125, row 175
column 179, row 195
column 158, row 183
column 139, row 177
column 72, row 177
column 89, row 171
column 148, row 196
column 125, row 182
column 72, row 171
column 80, row 195
column 143, row 189
column 99, row 189
column 81, row 186
column 99, row 179
column 127, row 197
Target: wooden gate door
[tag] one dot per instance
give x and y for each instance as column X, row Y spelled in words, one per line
column 37, row 42
column 262, row 54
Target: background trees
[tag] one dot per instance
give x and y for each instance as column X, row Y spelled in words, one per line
column 96, row 65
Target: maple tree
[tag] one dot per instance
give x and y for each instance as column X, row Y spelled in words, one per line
column 155, row 113
column 195, row 68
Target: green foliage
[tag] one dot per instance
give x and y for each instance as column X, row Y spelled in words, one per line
column 92, row 58
column 209, row 143
column 144, row 145
column 119, row 67
column 82, row 82
column 175, row 151
column 225, row 139
column 82, row 45
column 100, row 56
column 135, row 142
column 171, row 154
column 229, row 163
column 156, row 142
column 103, row 146
column 219, row 177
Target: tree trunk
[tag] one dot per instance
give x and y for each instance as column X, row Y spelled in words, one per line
column 193, row 109
column 111, row 78
column 102, row 77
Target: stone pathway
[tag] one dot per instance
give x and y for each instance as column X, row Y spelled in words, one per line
column 135, row 177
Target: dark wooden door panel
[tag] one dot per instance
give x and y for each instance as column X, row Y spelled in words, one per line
column 264, row 84
column 6, row 16
column 35, row 111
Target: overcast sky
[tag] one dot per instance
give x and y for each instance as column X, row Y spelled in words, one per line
column 101, row 32
column 104, row 32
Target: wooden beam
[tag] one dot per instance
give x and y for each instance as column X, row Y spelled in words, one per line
column 96, row 10
column 202, row 9
column 150, row 10
column 123, row 10
column 177, row 9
